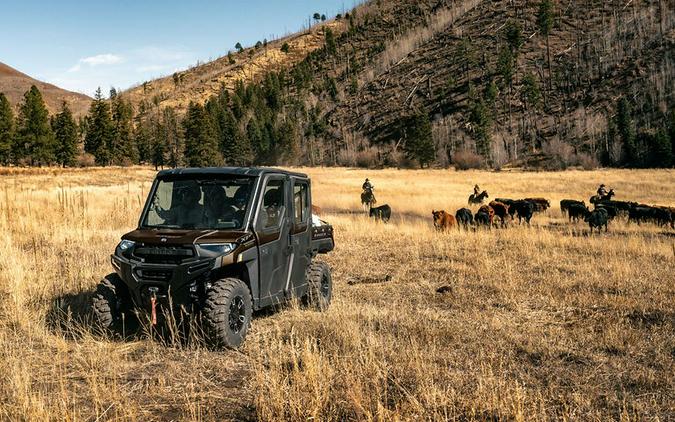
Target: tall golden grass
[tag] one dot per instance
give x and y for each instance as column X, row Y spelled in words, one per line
column 539, row 323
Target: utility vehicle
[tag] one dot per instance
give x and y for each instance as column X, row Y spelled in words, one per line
column 219, row 243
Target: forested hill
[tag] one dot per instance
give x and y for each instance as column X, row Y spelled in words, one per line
column 546, row 84
column 14, row 84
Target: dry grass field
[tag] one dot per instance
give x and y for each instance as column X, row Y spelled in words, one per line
column 539, row 323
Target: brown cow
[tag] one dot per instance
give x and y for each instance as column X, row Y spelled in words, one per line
column 501, row 210
column 443, row 220
column 489, row 210
column 540, row 204
column 316, row 210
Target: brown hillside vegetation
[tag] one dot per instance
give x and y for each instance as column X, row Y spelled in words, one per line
column 453, row 61
column 14, row 84
column 534, row 324
column 200, row 82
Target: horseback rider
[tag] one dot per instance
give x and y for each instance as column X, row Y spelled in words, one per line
column 476, row 190
column 367, row 186
column 602, row 192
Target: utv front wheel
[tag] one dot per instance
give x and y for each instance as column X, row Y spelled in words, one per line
column 110, row 302
column 320, row 286
column 227, row 312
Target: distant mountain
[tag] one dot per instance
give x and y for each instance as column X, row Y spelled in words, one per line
column 14, row 84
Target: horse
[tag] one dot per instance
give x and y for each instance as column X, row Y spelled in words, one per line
column 600, row 198
column 478, row 199
column 368, row 199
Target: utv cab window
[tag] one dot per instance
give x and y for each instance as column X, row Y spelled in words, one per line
column 300, row 202
column 213, row 204
column 273, row 205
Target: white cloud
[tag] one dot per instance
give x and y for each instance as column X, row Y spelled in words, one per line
column 100, row 59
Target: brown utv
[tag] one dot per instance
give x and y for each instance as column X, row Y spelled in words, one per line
column 221, row 243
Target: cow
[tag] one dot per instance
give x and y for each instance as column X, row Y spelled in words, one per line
column 525, row 210
column 443, row 220
column 577, row 211
column 540, row 204
column 611, row 210
column 489, row 210
column 501, row 210
column 483, row 218
column 639, row 214
column 464, row 217
column 597, row 219
column 662, row 216
column 381, row 213
column 565, row 204
column 506, row 201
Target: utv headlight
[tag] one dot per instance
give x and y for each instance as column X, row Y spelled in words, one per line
column 126, row 244
column 218, row 248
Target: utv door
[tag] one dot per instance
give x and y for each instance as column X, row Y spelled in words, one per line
column 301, row 235
column 272, row 228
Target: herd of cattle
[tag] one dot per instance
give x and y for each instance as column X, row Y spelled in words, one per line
column 501, row 210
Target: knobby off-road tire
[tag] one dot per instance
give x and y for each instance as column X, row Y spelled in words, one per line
column 227, row 312
column 111, row 304
column 320, row 286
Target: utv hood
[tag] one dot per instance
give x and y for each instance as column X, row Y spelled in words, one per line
column 182, row 237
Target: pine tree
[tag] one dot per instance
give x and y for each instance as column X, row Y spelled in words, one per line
column 201, row 146
column 34, row 133
column 123, row 149
column 98, row 138
column 419, row 144
column 661, row 150
column 545, row 24
column 175, row 147
column 6, row 130
column 626, row 131
column 66, row 133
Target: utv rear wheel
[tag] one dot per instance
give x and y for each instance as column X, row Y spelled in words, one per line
column 110, row 303
column 320, row 286
column 227, row 312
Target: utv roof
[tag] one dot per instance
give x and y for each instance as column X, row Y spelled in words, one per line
column 236, row 171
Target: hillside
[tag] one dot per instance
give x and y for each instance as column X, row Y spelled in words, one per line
column 479, row 72
column 14, row 84
column 201, row 82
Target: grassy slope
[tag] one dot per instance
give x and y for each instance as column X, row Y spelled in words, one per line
column 540, row 324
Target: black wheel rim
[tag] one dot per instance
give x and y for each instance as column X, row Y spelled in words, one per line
column 325, row 287
column 237, row 317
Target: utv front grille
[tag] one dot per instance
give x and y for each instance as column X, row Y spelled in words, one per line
column 154, row 275
column 163, row 254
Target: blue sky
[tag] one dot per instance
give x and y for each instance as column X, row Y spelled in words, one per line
column 80, row 45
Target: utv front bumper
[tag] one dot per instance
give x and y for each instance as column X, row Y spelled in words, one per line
column 172, row 282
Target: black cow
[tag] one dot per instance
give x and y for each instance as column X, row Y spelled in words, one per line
column 597, row 219
column 483, row 219
column 506, row 201
column 576, row 211
column 381, row 213
column 662, row 216
column 611, row 210
column 566, row 203
column 640, row 214
column 464, row 217
column 524, row 209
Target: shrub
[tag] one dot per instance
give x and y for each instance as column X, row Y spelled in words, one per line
column 465, row 160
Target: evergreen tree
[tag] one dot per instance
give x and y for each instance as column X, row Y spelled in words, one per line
column 530, row 92
column 66, row 133
column 175, row 147
column 626, row 131
column 419, row 144
column 661, row 150
column 123, row 149
column 6, row 130
column 481, row 123
column 201, row 146
column 34, row 133
column 98, row 138
column 330, row 42
column 545, row 24
column 514, row 36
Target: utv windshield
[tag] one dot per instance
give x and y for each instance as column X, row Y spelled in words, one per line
column 214, row 203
